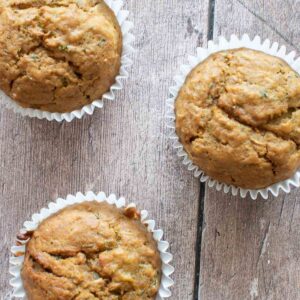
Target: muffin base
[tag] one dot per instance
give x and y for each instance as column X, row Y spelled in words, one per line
column 17, row 258
column 202, row 53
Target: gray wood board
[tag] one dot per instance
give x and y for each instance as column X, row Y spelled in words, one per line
column 251, row 249
column 122, row 149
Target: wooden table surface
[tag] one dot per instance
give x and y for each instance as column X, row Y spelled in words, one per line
column 224, row 247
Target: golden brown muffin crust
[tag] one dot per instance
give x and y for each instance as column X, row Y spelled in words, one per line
column 58, row 55
column 92, row 251
column 238, row 117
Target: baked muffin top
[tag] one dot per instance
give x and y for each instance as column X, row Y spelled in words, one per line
column 58, row 55
column 238, row 118
column 92, row 251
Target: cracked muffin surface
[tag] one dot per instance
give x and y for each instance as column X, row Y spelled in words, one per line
column 238, row 118
column 58, row 55
column 92, row 251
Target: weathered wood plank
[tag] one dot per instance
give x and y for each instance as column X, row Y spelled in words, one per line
column 121, row 149
column 251, row 249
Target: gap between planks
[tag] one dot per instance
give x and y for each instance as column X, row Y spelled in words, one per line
column 200, row 224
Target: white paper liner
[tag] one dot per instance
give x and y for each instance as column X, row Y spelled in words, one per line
column 202, row 53
column 126, row 62
column 53, row 207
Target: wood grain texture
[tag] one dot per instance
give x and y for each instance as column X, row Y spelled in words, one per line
column 251, row 249
column 121, row 149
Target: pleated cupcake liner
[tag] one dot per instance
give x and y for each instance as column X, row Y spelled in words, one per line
column 201, row 54
column 126, row 62
column 17, row 257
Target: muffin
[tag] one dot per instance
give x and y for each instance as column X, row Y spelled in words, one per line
column 238, row 118
column 58, row 55
column 92, row 251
